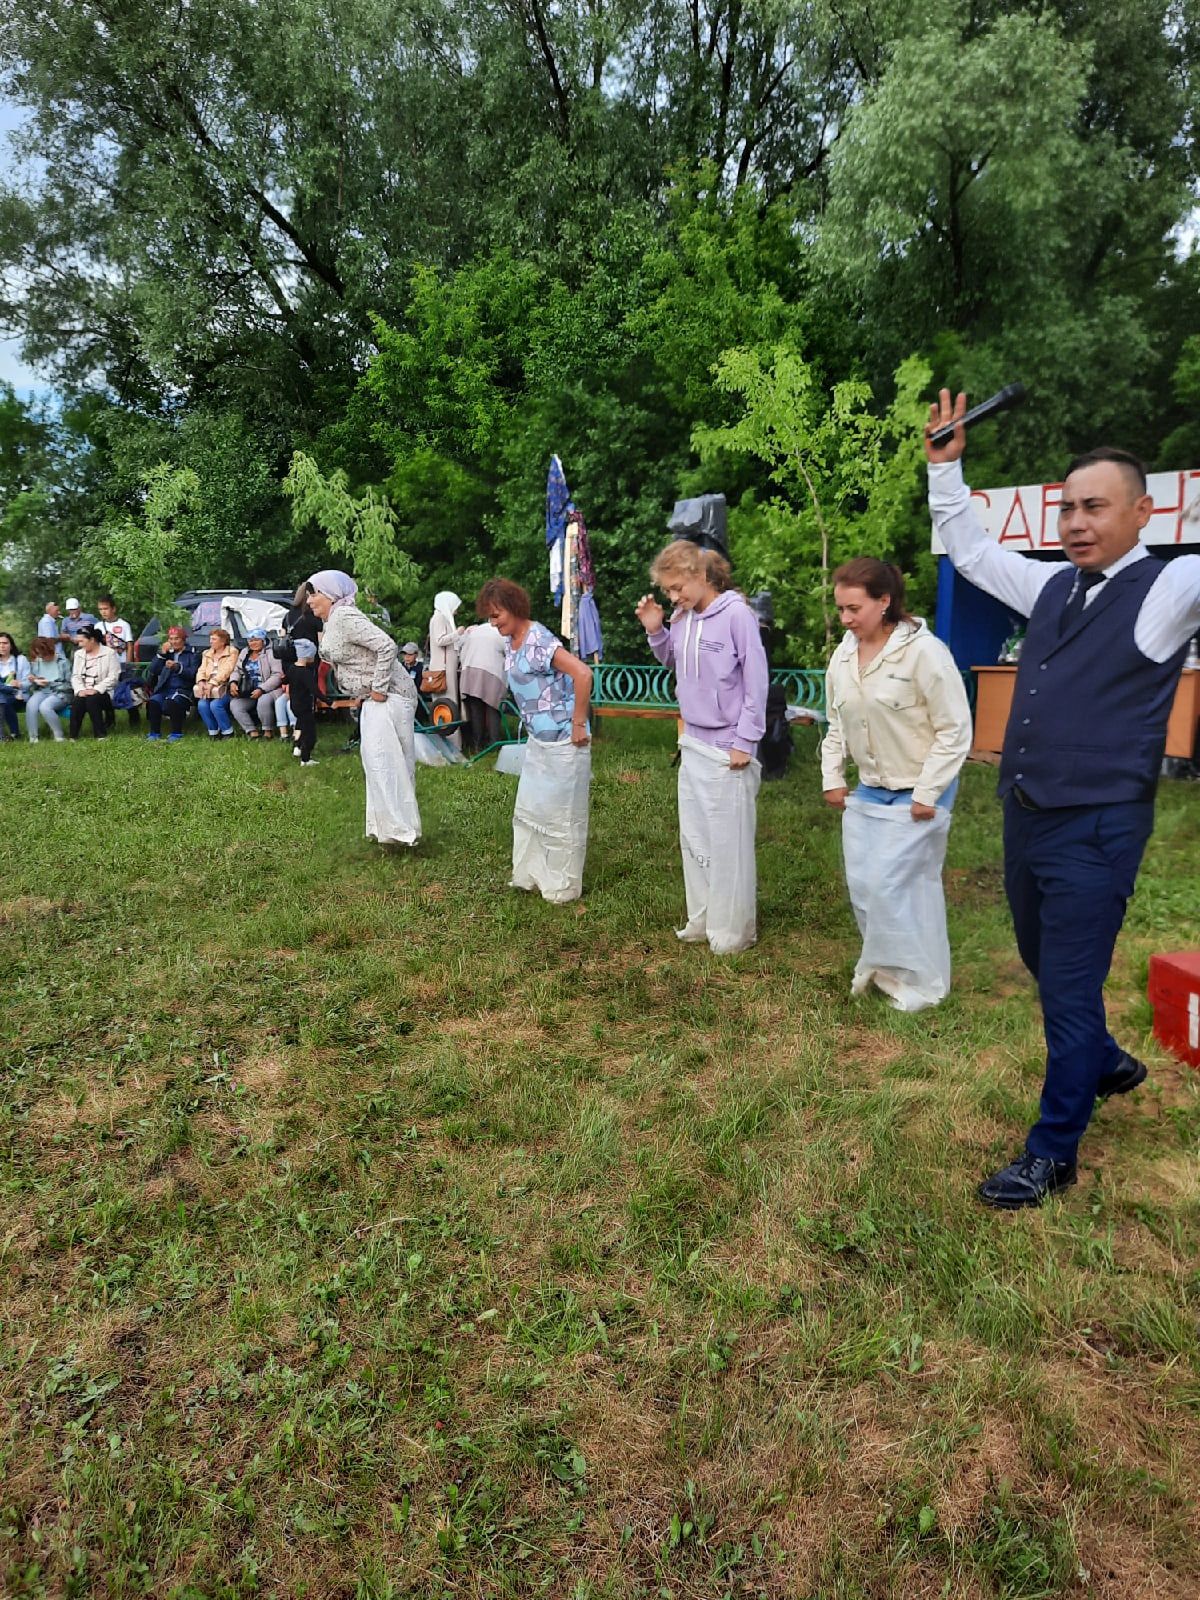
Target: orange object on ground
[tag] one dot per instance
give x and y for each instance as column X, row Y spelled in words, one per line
column 1174, row 991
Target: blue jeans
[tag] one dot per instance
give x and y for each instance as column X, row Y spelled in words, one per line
column 214, row 714
column 903, row 797
column 45, row 704
column 8, row 707
column 1069, row 873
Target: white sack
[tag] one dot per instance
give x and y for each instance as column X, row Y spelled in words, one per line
column 894, row 874
column 510, row 759
column 432, row 750
column 389, row 763
column 550, row 819
column 717, row 819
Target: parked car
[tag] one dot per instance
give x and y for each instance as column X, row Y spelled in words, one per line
column 205, row 607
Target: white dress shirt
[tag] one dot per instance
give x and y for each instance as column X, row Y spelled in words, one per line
column 1169, row 614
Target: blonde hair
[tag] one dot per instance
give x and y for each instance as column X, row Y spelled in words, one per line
column 683, row 559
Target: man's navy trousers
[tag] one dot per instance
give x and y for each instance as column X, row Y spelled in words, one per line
column 1069, row 872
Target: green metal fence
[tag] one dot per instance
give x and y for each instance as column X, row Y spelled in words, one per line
column 650, row 687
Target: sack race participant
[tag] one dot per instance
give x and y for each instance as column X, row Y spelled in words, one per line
column 721, row 676
column 552, row 690
column 897, row 708
column 368, row 669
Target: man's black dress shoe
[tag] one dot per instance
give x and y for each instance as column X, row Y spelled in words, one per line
column 1027, row 1182
column 1125, row 1076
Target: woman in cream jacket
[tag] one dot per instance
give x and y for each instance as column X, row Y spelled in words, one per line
column 368, row 669
column 898, row 710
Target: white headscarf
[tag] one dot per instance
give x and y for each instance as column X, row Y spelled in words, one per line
column 337, row 586
column 447, row 602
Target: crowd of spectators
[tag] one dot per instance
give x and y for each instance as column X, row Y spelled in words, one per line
column 80, row 669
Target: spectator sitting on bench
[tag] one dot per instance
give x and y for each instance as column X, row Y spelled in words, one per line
column 213, row 693
column 14, row 683
column 171, row 682
column 257, row 684
column 49, row 688
column 94, row 675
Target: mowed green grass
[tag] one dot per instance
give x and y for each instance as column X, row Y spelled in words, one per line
column 370, row 1230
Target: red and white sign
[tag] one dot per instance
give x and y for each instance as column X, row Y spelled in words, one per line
column 1026, row 517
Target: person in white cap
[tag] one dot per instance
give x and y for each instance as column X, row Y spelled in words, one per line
column 75, row 621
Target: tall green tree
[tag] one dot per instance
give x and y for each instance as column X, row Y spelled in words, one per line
column 360, row 529
column 1022, row 225
column 843, row 479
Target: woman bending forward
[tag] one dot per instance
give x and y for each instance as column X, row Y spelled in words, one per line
column 368, row 670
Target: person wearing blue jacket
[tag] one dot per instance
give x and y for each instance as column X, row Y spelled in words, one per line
column 172, row 677
column 714, row 644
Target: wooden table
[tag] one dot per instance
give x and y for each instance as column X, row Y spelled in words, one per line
column 993, row 702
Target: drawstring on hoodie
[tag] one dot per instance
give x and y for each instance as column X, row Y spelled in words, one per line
column 687, row 639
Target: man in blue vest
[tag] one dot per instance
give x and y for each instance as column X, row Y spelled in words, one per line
column 1107, row 635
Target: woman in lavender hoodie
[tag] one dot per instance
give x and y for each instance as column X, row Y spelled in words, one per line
column 714, row 645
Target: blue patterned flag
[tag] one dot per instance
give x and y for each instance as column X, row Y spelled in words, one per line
column 557, row 499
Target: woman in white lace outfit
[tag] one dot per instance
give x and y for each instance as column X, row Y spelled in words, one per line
column 368, row 669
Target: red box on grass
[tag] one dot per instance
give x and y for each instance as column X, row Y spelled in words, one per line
column 1174, row 991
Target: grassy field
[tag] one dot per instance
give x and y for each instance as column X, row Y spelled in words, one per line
column 370, row 1230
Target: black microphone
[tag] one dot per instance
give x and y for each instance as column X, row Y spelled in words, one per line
column 1013, row 394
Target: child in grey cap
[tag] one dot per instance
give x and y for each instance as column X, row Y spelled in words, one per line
column 305, row 713
column 410, row 657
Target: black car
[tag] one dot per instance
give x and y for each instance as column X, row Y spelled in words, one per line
column 150, row 637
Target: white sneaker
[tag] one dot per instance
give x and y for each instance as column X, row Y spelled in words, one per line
column 295, row 749
column 310, row 763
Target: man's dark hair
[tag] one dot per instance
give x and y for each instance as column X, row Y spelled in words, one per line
column 106, row 600
column 1106, row 452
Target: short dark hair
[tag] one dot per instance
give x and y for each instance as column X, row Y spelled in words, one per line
column 505, row 595
column 882, row 580
column 1125, row 459
column 106, row 600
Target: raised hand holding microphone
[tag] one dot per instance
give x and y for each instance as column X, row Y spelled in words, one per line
column 941, row 415
column 1013, row 394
